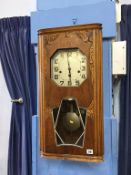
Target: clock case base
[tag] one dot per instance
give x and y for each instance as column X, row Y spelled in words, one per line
column 86, row 158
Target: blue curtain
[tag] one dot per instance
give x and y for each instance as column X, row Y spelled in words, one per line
column 125, row 99
column 18, row 63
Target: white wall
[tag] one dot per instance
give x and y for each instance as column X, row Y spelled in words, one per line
column 125, row 1
column 10, row 8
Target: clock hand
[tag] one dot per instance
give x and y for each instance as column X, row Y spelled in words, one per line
column 69, row 68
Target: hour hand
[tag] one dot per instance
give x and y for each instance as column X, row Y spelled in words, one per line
column 69, row 68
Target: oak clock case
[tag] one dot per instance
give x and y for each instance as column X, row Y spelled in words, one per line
column 70, row 93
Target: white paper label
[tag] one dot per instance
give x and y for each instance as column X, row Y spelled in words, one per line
column 89, row 151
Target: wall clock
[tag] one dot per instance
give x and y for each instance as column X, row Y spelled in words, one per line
column 70, row 92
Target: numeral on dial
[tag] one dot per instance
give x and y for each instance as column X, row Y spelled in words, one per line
column 77, row 82
column 69, row 54
column 83, row 68
column 69, row 83
column 83, row 59
column 55, row 69
column 61, row 82
column 56, row 77
column 56, row 61
column 83, row 76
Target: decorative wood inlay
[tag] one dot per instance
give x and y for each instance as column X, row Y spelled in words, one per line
column 90, row 110
column 86, row 36
column 67, row 34
column 50, row 38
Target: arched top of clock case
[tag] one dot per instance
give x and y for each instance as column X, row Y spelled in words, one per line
column 70, row 28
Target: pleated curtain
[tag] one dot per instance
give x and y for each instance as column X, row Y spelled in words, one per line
column 18, row 64
column 124, row 162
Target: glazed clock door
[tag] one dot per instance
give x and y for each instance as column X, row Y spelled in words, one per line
column 70, row 93
column 69, row 67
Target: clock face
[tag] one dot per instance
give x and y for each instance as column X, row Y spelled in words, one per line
column 69, row 67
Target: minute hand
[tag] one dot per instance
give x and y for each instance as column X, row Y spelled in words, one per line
column 69, row 68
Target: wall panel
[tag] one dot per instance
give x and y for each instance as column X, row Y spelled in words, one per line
column 46, row 5
column 93, row 13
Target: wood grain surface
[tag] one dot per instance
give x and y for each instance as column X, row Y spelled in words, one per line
column 87, row 38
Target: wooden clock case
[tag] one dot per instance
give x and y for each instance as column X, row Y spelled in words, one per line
column 89, row 95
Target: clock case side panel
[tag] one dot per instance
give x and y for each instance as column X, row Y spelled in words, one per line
column 101, row 114
column 99, row 131
column 41, row 94
column 98, row 115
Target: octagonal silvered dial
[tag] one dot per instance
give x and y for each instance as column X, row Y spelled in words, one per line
column 68, row 67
